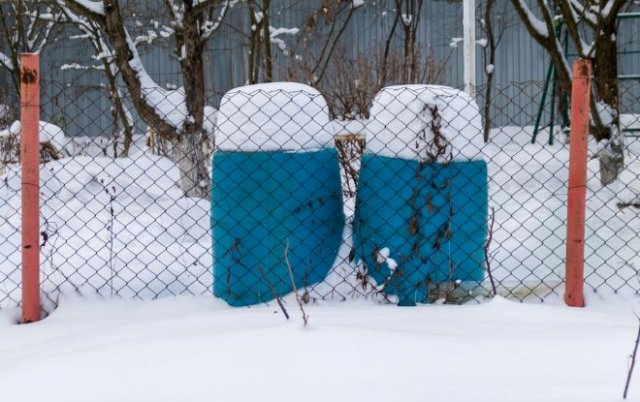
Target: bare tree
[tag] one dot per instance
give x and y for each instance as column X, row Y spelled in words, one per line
column 494, row 24
column 320, row 38
column 93, row 33
column 408, row 12
column 25, row 27
column 178, row 115
column 596, row 20
column 259, row 41
column 349, row 82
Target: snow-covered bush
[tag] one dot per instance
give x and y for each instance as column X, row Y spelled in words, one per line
column 53, row 142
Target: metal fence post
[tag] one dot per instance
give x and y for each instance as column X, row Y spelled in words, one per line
column 30, row 162
column 580, row 98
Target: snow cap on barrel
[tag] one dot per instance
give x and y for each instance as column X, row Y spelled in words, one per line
column 402, row 116
column 273, row 116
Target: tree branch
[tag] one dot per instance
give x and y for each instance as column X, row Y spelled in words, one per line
column 612, row 9
column 5, row 61
column 585, row 14
column 572, row 26
column 544, row 34
column 547, row 16
column 533, row 24
column 204, row 5
column 211, row 26
column 335, row 42
column 90, row 9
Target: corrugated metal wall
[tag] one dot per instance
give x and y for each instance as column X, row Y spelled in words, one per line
column 75, row 99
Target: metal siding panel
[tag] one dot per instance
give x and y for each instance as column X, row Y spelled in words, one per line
column 519, row 59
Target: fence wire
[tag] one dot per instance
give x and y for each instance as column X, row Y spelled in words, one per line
column 267, row 193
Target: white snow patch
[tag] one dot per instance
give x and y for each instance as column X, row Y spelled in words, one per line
column 48, row 133
column 74, row 66
column 93, row 6
column 172, row 350
column 606, row 113
column 400, row 124
column 539, row 25
column 155, row 242
column 274, row 116
column 210, row 117
column 455, row 41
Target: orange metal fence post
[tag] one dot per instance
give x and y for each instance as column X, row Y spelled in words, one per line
column 580, row 98
column 30, row 161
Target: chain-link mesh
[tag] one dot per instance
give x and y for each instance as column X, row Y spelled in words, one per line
column 267, row 193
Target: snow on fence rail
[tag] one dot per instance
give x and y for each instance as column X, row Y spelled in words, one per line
column 122, row 226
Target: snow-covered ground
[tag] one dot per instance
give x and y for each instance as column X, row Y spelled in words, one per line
column 528, row 188
column 197, row 349
column 114, row 227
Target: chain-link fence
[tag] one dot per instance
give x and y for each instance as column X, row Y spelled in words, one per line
column 267, row 193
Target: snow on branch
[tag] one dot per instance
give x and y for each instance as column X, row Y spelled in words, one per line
column 203, row 5
column 43, row 38
column 209, row 26
column 586, row 14
column 357, row 3
column 169, row 106
column 6, row 61
column 95, row 7
column 77, row 66
column 147, row 38
column 572, row 18
column 89, row 8
column 543, row 31
column 611, row 9
column 538, row 26
column 92, row 32
column 275, row 32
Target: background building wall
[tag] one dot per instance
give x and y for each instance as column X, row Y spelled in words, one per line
column 76, row 99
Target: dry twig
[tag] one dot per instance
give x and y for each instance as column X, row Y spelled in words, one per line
column 633, row 362
column 273, row 291
column 305, row 317
column 487, row 257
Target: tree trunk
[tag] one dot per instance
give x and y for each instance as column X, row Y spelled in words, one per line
column 605, row 72
column 193, row 71
column 16, row 45
column 114, row 28
column 253, row 42
column 604, row 58
column 191, row 159
column 187, row 136
column 121, row 112
column 491, row 48
column 268, row 62
column 188, row 150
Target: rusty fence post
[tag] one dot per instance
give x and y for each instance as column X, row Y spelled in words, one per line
column 579, row 141
column 30, row 162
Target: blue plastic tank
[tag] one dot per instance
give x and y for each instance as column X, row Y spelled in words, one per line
column 430, row 215
column 282, row 194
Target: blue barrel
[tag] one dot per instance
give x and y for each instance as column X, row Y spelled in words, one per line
column 263, row 201
column 431, row 216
